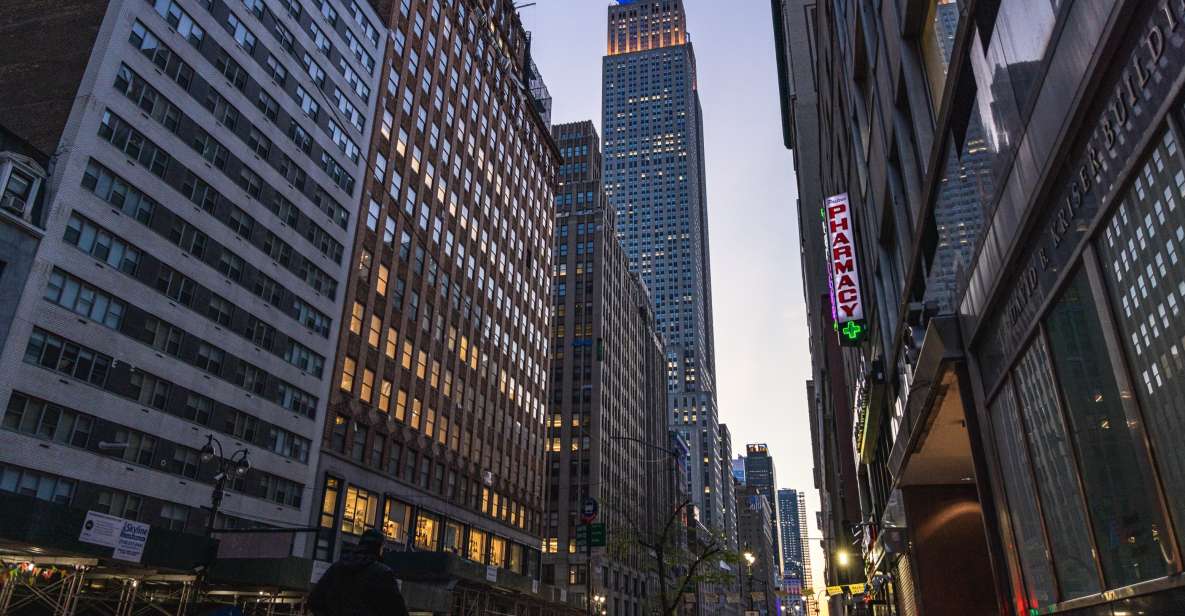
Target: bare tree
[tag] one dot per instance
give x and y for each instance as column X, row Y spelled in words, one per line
column 681, row 558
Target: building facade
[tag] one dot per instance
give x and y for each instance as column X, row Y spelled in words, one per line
column 826, row 393
column 23, row 195
column 601, row 407
column 795, row 548
column 437, row 422
column 654, row 178
column 729, row 486
column 760, row 578
column 761, row 475
column 206, row 163
column 1012, row 171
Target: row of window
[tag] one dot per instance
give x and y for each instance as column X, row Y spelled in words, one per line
column 104, row 245
column 132, row 142
column 168, row 115
column 312, row 68
column 48, row 421
column 415, row 528
column 89, row 301
column 226, row 114
column 388, row 456
column 65, row 491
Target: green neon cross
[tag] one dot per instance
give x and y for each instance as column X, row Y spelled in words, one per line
column 852, row 330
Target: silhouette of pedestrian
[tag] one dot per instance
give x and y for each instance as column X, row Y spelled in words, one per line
column 359, row 584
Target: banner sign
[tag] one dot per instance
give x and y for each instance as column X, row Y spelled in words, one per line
column 132, row 539
column 101, row 529
column 845, row 274
column 128, row 537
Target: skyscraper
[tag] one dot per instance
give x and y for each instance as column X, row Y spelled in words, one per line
column 761, row 476
column 654, row 178
column 437, row 425
column 760, row 578
column 795, row 549
column 604, row 370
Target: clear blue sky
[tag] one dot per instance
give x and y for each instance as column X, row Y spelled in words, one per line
column 761, row 340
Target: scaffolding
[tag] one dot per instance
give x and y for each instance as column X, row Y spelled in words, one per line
column 83, row 587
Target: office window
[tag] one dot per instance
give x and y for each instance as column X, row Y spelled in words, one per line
column 427, row 531
column 329, row 501
column 174, row 517
column 120, row 504
column 477, row 546
column 359, row 511
column 349, row 367
column 375, row 331
column 356, row 318
column 453, row 536
column 1022, row 500
column 1119, row 489
column 366, row 392
column 1140, row 251
column 396, row 519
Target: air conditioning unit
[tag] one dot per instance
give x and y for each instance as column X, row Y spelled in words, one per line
column 487, row 477
column 13, row 204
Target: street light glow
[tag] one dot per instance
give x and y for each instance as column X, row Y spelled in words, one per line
column 843, row 558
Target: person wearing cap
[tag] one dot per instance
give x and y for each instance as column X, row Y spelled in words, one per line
column 359, row 584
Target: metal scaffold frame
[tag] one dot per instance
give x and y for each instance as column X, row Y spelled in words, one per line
column 61, row 595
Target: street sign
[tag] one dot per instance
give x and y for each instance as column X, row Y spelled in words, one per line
column 854, row 589
column 596, row 531
column 589, row 510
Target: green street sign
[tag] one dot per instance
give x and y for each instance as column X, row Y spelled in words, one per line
column 596, row 530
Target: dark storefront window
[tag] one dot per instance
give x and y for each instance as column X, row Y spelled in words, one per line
column 1053, row 467
column 1140, row 250
column 1129, row 530
column 1022, row 501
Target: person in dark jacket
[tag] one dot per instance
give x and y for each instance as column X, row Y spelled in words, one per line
column 359, row 584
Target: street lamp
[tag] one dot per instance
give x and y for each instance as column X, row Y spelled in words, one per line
column 749, row 560
column 842, row 558
column 599, row 600
column 236, row 464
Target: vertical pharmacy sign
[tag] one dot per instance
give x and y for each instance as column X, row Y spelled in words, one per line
column 845, row 274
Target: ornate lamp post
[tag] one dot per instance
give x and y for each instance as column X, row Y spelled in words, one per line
column 237, row 463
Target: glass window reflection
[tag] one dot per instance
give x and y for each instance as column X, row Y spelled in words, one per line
column 1128, row 527
column 1022, row 502
column 1140, row 250
column 1053, row 467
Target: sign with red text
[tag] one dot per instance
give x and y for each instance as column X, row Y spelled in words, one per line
column 845, row 274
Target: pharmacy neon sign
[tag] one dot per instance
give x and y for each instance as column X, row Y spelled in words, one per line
column 848, row 302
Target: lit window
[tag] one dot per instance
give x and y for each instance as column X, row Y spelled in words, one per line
column 348, row 369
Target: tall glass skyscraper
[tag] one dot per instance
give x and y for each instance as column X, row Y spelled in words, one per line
column 796, row 553
column 653, row 172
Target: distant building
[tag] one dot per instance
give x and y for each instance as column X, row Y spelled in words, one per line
column 729, row 486
column 24, row 189
column 759, row 582
column 738, row 469
column 654, row 179
column 603, row 377
column 761, row 476
column 795, row 548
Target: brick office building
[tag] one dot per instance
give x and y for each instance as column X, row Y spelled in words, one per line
column 436, row 427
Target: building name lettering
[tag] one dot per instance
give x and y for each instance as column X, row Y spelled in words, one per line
column 1116, row 119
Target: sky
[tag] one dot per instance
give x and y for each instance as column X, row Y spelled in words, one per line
column 762, row 357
